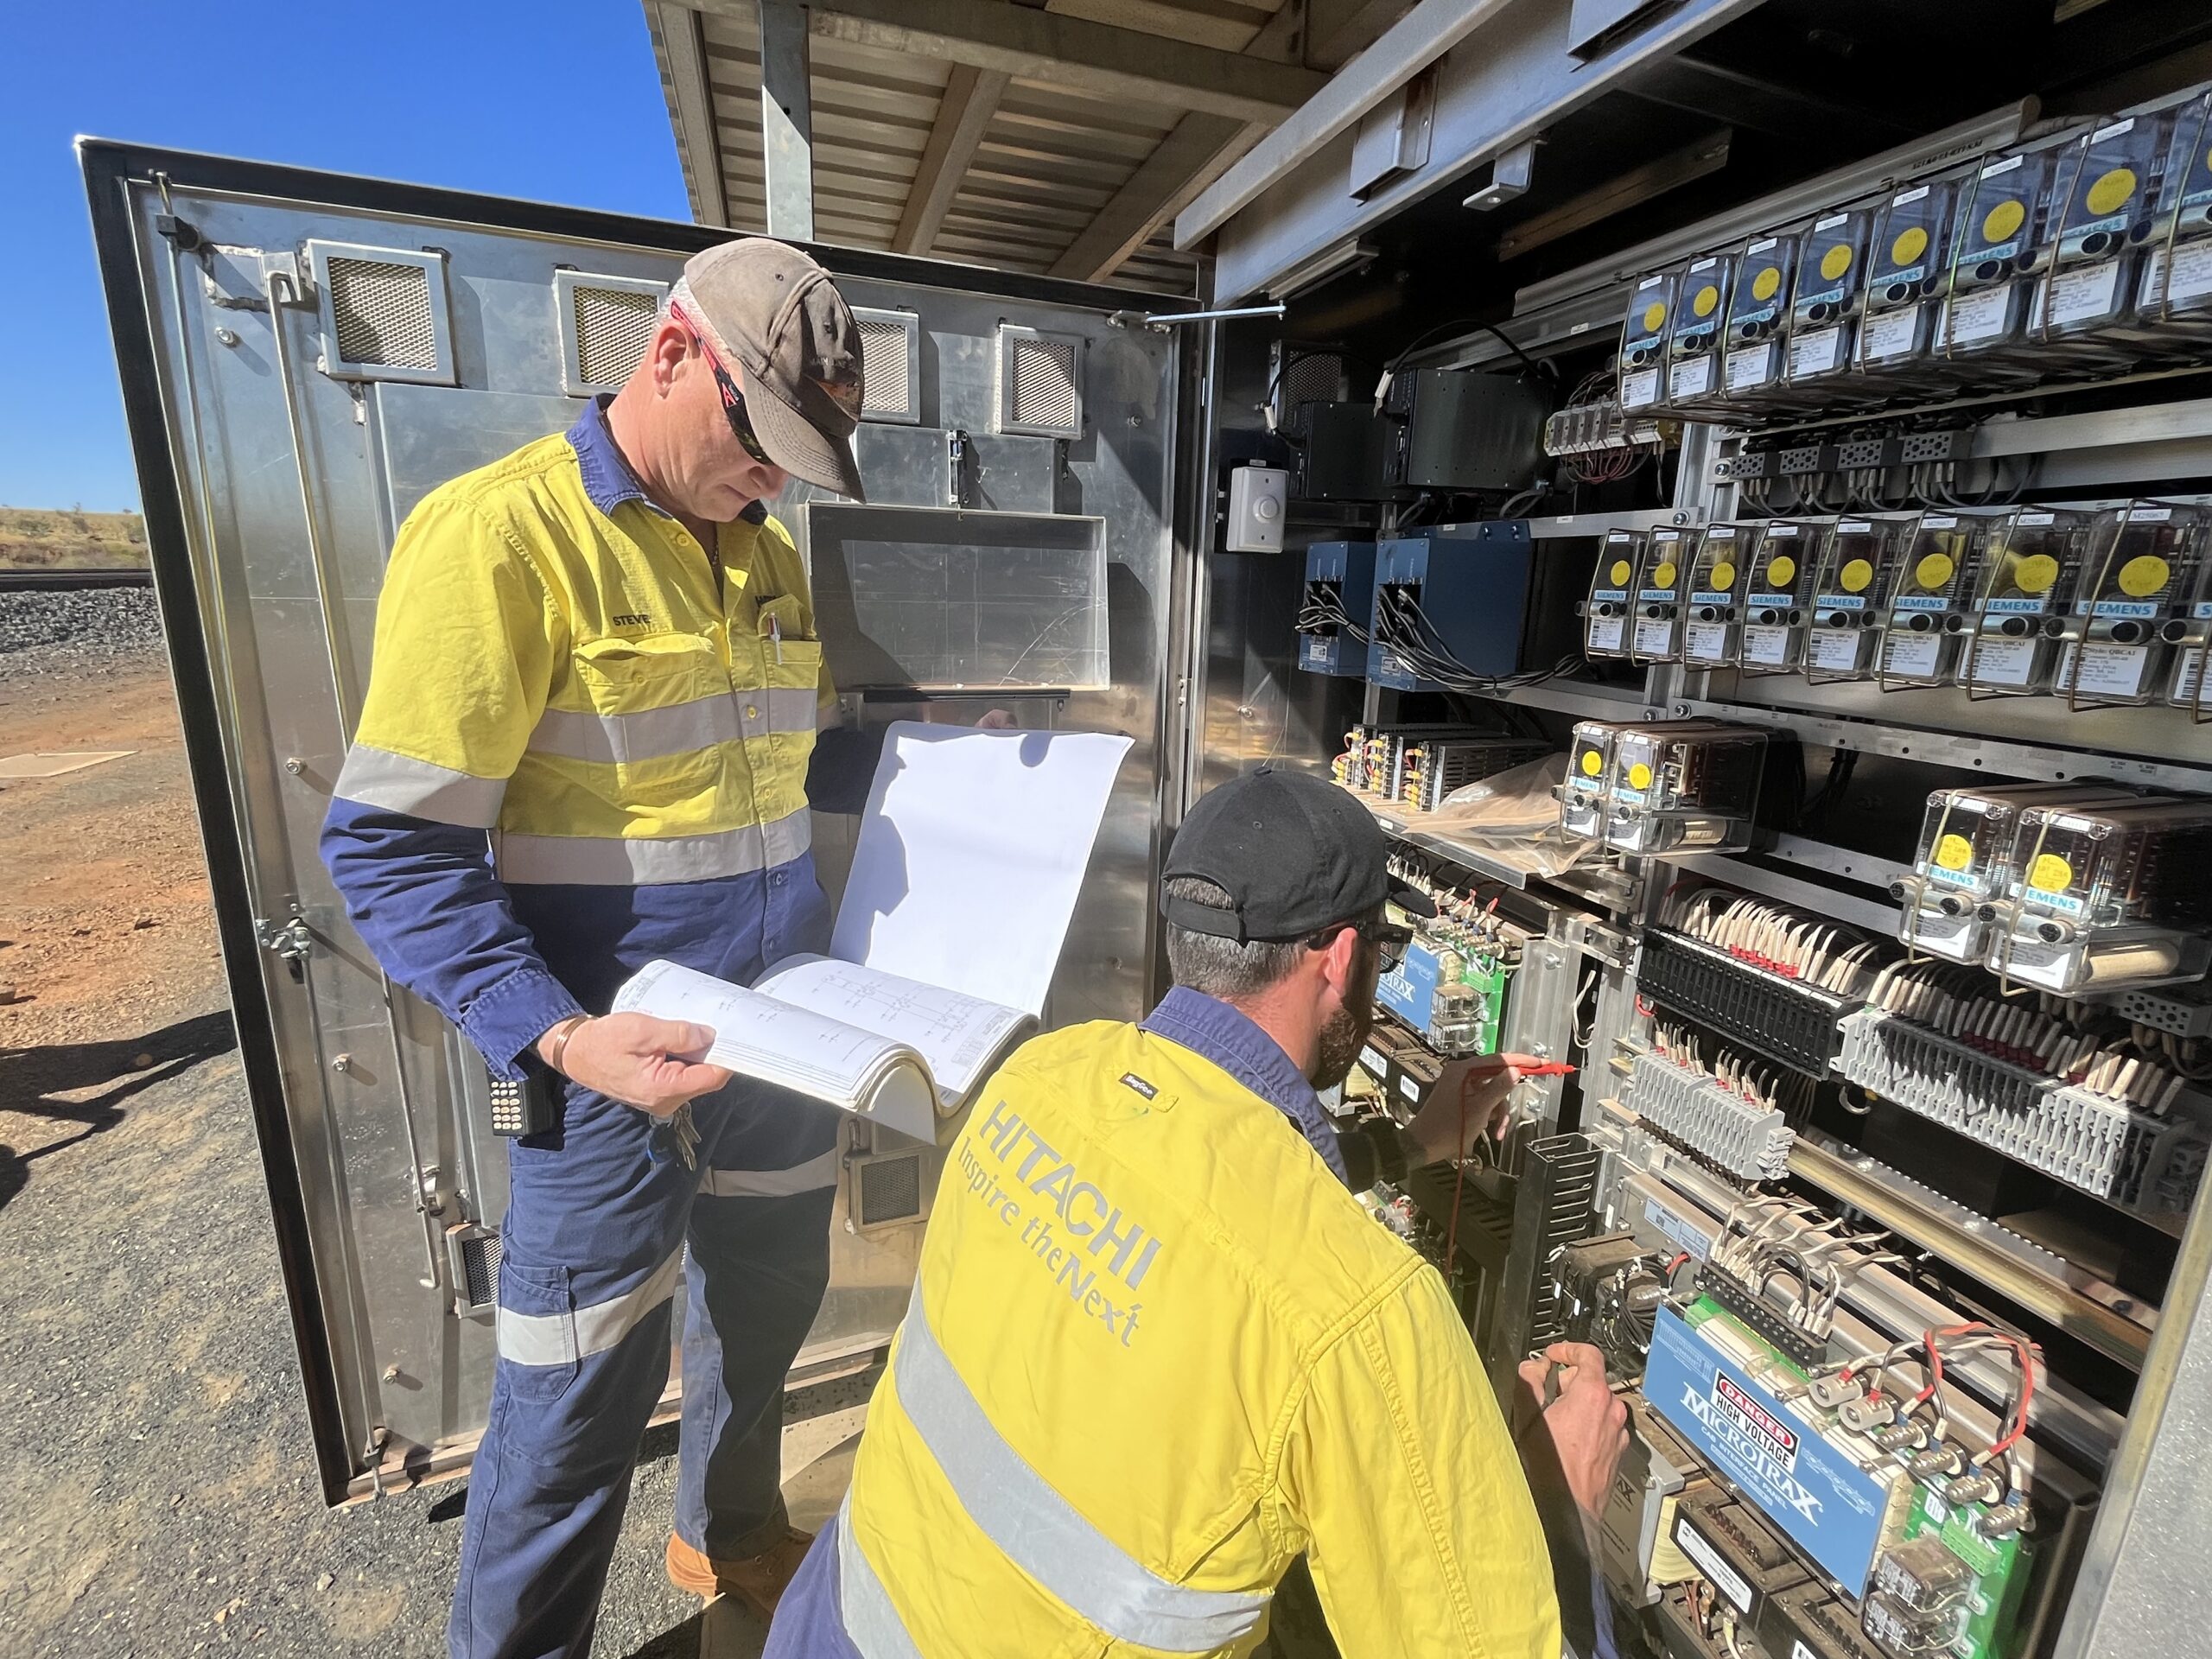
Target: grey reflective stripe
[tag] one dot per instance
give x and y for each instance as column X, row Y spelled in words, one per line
column 680, row 729
column 1040, row 1531
column 642, row 736
column 810, row 1177
column 637, row 861
column 560, row 1338
column 399, row 783
column 863, row 1604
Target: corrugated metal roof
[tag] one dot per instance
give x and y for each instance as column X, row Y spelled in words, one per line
column 930, row 137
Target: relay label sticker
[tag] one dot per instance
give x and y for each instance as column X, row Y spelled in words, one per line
column 2035, row 573
column 2049, row 873
column 1639, row 776
column 1894, row 334
column 2003, row 662
column 2086, row 292
column 1913, row 655
column 1856, row 576
column 1724, row 1577
column 1750, row 366
column 1953, row 852
column 1592, row 763
column 1767, row 283
column 1816, row 353
column 1934, row 570
column 1706, row 643
column 1781, row 572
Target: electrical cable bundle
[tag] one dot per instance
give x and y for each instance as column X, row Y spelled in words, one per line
column 1325, row 609
column 1403, row 627
column 1772, row 937
column 1771, row 1237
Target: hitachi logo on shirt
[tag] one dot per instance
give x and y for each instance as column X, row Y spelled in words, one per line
column 1118, row 1244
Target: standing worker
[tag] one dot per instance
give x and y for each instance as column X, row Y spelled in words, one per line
column 1156, row 1348
column 602, row 651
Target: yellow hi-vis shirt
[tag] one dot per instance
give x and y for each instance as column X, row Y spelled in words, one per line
column 569, row 677
column 1155, row 1351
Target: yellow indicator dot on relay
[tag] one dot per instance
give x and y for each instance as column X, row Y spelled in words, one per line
column 1591, row 763
column 1911, row 243
column 1855, row 574
column 1954, row 853
column 2112, row 191
column 1662, row 573
column 2051, row 873
column 2143, row 576
column 1835, row 262
column 1767, row 283
column 1619, row 573
column 2003, row 221
column 1724, row 575
column 1933, row 570
column 1781, row 572
column 1654, row 314
column 1639, row 776
column 1706, row 299
column 2035, row 573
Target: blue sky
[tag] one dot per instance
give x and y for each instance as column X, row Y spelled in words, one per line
column 556, row 100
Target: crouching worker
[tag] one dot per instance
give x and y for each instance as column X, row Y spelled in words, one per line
column 1157, row 1350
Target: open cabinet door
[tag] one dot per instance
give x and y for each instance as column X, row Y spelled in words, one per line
column 304, row 356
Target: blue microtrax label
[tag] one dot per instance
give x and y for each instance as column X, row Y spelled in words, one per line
column 1815, row 1492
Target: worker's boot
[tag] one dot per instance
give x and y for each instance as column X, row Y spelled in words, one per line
column 757, row 1580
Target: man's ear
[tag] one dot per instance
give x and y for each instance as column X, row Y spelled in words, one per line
column 1337, row 958
column 670, row 347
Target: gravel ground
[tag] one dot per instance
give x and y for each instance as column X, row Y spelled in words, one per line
column 48, row 633
column 160, row 1495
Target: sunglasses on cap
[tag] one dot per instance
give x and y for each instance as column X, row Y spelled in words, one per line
column 733, row 399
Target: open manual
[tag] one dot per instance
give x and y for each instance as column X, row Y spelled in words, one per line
column 965, row 877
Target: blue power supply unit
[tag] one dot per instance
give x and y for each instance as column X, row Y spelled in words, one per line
column 1339, row 575
column 1461, row 594
column 1832, row 1509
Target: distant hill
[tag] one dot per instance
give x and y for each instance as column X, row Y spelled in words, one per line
column 61, row 538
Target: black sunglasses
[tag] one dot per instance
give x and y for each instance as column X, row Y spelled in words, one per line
column 1389, row 938
column 733, row 399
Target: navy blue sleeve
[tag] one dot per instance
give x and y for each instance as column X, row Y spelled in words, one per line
column 843, row 766
column 424, row 898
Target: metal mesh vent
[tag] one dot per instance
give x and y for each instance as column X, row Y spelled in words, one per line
column 382, row 313
column 613, row 326
column 1311, row 378
column 1038, row 388
column 888, row 384
column 472, row 1260
column 888, row 1189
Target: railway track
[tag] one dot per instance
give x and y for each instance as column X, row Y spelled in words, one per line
column 44, row 582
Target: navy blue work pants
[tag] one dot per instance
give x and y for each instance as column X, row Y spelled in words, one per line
column 602, row 1230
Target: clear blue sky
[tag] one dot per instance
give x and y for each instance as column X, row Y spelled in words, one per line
column 556, row 100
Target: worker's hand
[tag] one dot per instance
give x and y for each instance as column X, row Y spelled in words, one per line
column 1468, row 1102
column 996, row 720
column 1587, row 1421
column 643, row 1062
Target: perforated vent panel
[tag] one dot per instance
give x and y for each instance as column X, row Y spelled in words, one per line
column 888, row 1189
column 888, row 385
column 612, row 326
column 1311, row 378
column 472, row 1264
column 382, row 313
column 1038, row 388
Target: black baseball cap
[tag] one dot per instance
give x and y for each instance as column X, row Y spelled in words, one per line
column 1294, row 853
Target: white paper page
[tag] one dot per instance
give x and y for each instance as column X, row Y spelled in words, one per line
column 956, row 1034
column 971, row 854
column 757, row 1036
